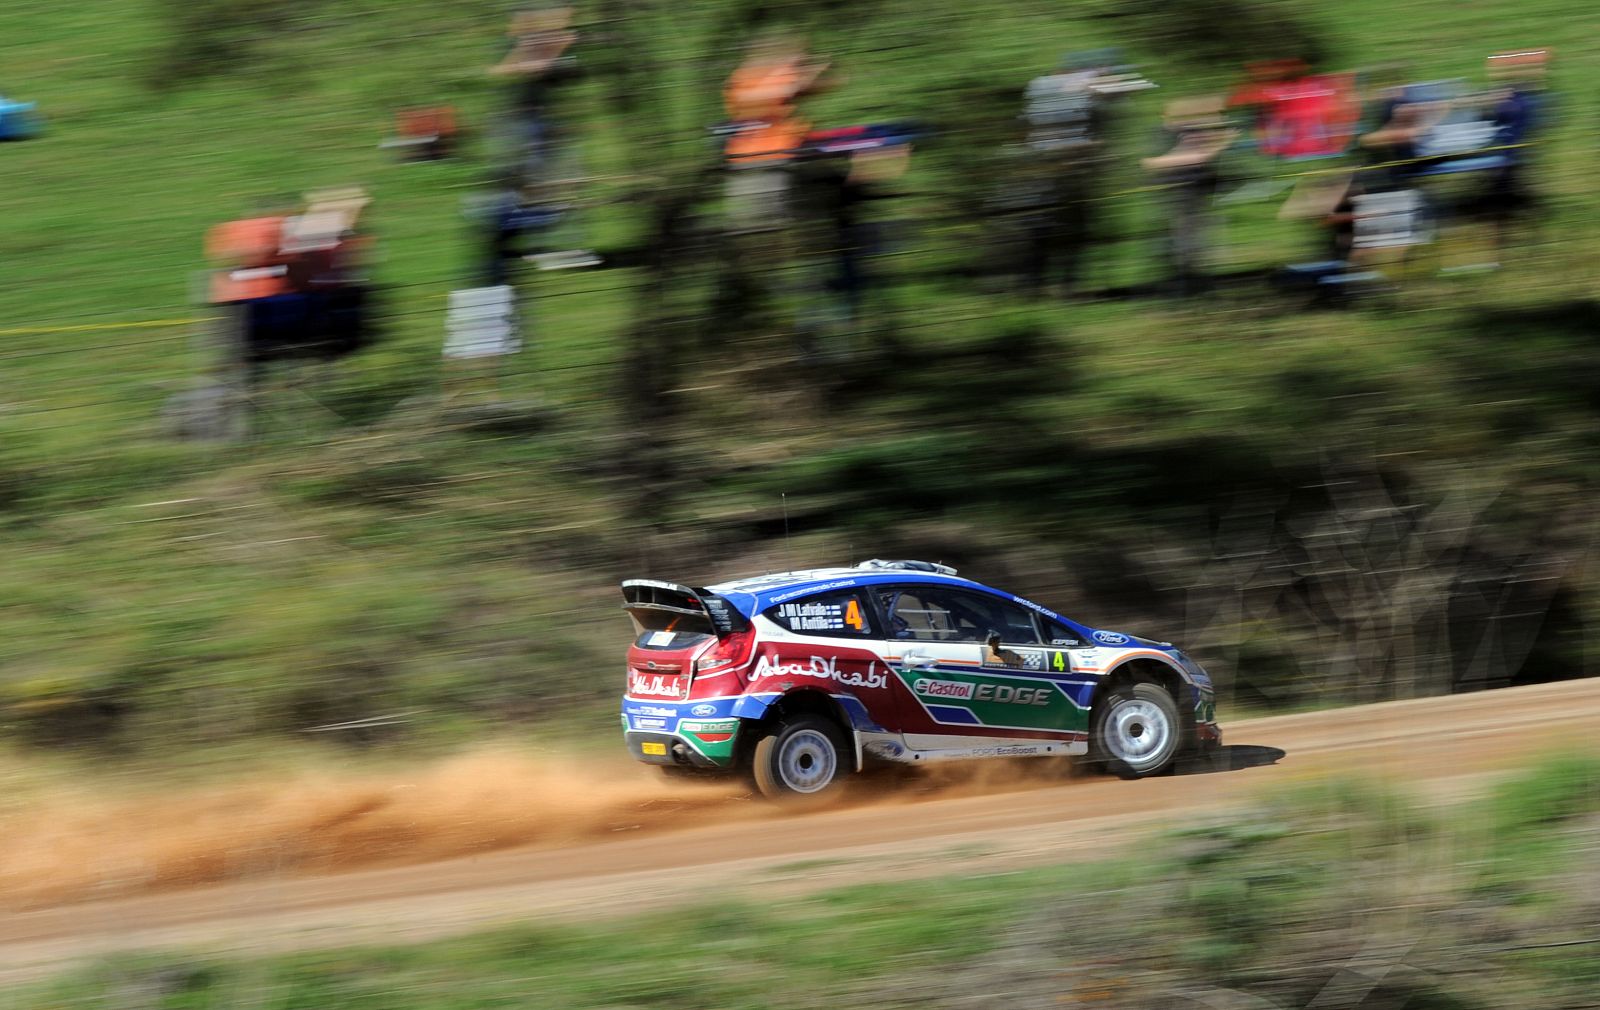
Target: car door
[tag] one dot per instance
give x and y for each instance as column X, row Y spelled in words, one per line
column 971, row 665
column 829, row 641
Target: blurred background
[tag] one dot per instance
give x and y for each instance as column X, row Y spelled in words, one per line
column 1265, row 328
column 351, row 353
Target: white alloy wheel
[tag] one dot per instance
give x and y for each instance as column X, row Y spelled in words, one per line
column 807, row 761
column 1138, row 731
column 801, row 757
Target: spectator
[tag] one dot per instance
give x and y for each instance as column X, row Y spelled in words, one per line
column 1515, row 113
column 835, row 192
column 1066, row 113
column 761, row 99
column 1189, row 177
column 540, row 66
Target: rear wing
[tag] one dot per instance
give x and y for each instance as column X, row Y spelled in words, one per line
column 660, row 606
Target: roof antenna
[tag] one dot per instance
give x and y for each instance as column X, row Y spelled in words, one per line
column 788, row 556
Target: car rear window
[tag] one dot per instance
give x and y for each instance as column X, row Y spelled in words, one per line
column 839, row 614
column 668, row 639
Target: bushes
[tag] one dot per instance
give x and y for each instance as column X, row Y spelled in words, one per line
column 209, row 38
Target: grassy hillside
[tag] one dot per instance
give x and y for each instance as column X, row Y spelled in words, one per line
column 1379, row 501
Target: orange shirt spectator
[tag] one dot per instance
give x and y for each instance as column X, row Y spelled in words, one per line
column 248, row 251
column 761, row 96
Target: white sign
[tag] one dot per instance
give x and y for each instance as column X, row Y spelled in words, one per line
column 1382, row 221
column 482, row 323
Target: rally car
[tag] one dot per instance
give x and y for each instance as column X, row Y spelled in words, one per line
column 799, row 678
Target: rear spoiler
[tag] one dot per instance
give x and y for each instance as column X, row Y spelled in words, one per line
column 648, row 595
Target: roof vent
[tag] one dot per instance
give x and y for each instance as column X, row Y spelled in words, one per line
column 908, row 566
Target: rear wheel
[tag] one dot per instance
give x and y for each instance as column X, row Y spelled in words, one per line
column 1137, row 730
column 801, row 757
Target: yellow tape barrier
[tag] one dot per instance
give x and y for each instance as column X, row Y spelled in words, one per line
column 144, row 324
column 1339, row 170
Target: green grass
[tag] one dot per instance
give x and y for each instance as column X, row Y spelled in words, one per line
column 369, row 555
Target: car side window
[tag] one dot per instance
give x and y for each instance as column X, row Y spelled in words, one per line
column 915, row 616
column 1059, row 634
column 837, row 614
column 935, row 614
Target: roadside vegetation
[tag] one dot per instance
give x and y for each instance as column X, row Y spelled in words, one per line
column 1338, row 892
column 1324, row 506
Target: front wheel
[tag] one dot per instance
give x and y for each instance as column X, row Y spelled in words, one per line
column 801, row 758
column 1137, row 730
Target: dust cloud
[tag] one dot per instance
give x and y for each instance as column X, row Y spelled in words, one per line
column 58, row 850
column 62, row 849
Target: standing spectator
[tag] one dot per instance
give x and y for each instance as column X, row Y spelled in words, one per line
column 1515, row 113
column 834, row 194
column 762, row 99
column 1189, row 177
column 764, row 137
column 540, row 65
column 1067, row 113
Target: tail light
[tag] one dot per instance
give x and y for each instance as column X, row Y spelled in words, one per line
column 729, row 651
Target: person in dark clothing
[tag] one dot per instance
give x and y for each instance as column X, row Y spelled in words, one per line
column 1068, row 113
column 512, row 219
column 1514, row 109
column 1066, row 119
column 1506, row 195
column 540, row 65
column 834, row 194
column 1189, row 177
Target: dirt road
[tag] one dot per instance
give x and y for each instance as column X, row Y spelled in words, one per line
column 717, row 845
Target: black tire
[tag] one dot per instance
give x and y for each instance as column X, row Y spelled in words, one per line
column 802, row 758
column 1137, row 730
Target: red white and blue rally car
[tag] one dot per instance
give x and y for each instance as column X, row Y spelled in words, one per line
column 801, row 677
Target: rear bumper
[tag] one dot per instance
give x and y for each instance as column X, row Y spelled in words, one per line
column 674, row 733
column 1207, row 736
column 668, row 749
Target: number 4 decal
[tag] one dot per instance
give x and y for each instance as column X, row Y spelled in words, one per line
column 1059, row 662
column 852, row 615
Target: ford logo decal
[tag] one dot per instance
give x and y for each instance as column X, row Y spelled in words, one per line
column 704, row 710
column 1110, row 638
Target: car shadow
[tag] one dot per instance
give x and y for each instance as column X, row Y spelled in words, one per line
column 1232, row 758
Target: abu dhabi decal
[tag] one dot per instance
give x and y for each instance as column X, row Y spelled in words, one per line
column 1110, row 638
column 821, row 669
column 671, row 685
